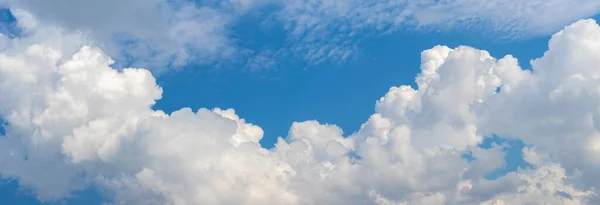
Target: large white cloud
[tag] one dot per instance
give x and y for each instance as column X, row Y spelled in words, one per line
column 75, row 122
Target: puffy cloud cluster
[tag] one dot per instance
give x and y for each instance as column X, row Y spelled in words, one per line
column 73, row 121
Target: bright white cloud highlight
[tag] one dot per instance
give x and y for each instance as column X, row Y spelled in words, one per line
column 73, row 122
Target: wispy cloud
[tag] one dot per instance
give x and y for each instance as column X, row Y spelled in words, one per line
column 160, row 34
column 328, row 30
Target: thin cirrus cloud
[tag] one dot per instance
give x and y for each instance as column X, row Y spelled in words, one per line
column 161, row 33
column 73, row 121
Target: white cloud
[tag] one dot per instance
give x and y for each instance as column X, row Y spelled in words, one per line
column 329, row 30
column 74, row 122
column 545, row 185
column 155, row 34
column 172, row 33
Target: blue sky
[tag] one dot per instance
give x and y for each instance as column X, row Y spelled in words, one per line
column 293, row 89
column 338, row 93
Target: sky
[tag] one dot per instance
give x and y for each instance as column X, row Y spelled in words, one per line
column 299, row 102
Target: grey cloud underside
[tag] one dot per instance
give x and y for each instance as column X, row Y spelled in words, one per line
column 172, row 33
column 74, row 122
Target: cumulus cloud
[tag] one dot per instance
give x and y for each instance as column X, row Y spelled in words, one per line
column 73, row 121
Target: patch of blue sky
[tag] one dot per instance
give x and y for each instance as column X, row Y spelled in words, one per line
column 338, row 93
column 513, row 155
column 12, row 193
column 8, row 24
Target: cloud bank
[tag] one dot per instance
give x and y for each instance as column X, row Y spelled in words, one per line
column 72, row 121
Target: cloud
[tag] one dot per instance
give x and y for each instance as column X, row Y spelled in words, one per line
column 154, row 34
column 73, row 121
column 163, row 34
column 261, row 62
column 330, row 30
column 545, row 185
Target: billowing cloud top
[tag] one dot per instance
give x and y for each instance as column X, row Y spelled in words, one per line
column 73, row 121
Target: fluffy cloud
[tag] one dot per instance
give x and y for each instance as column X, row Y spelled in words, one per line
column 73, row 121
